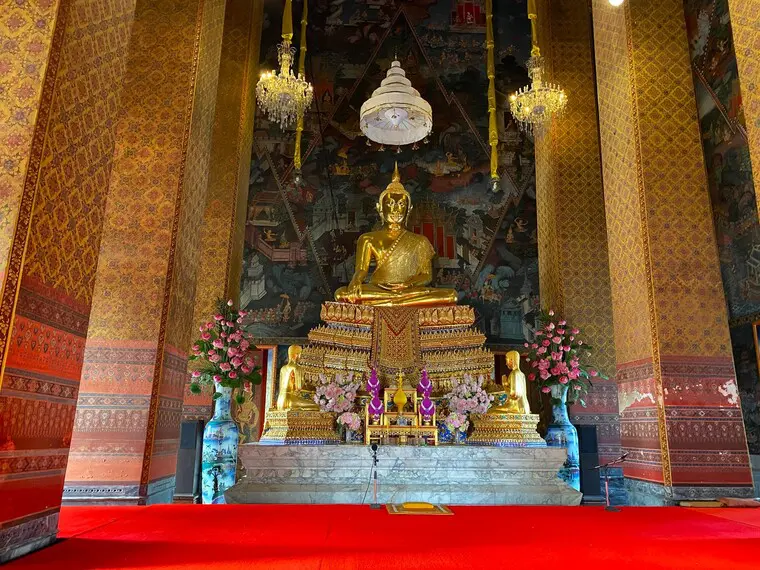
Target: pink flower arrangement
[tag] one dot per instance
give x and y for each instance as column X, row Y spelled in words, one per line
column 467, row 396
column 456, row 420
column 223, row 356
column 556, row 359
column 337, row 394
column 351, row 420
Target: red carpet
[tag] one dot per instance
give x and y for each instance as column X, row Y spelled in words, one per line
column 333, row 536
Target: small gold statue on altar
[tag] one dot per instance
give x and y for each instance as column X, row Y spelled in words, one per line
column 403, row 259
column 510, row 422
column 514, row 388
column 291, row 394
column 295, row 417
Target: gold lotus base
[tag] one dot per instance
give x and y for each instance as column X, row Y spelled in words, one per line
column 512, row 430
column 299, row 427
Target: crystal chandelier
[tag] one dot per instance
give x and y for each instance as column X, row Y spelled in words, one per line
column 283, row 96
column 396, row 114
column 534, row 105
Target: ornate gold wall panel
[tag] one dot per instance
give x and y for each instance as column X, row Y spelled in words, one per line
column 67, row 176
column 745, row 25
column 27, row 30
column 573, row 258
column 229, row 168
column 671, row 330
column 30, row 51
column 135, row 365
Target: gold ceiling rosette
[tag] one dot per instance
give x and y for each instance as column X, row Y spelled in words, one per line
column 282, row 96
column 534, row 105
column 396, row 114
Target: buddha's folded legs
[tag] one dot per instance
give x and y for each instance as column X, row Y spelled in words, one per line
column 370, row 294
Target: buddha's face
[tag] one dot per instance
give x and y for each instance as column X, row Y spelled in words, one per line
column 513, row 360
column 294, row 351
column 394, row 207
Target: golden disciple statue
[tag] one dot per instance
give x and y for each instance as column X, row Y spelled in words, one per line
column 291, row 378
column 403, row 259
column 515, row 388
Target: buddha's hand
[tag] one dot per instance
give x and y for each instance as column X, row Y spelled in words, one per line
column 392, row 286
column 354, row 292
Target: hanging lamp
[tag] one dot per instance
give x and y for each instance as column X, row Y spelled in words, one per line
column 283, row 96
column 534, row 105
column 396, row 114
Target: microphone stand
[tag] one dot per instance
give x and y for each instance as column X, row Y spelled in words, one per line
column 606, row 468
column 375, row 505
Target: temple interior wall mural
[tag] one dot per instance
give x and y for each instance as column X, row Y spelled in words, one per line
column 732, row 193
column 299, row 241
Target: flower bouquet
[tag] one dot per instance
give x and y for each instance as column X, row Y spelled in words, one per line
column 556, row 360
column 467, row 396
column 338, row 395
column 223, row 355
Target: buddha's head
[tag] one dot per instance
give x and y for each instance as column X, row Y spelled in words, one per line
column 394, row 203
column 294, row 351
column 513, row 360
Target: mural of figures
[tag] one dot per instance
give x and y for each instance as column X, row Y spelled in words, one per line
column 300, row 240
column 732, row 193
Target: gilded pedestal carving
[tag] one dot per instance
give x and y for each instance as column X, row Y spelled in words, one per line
column 505, row 430
column 299, row 427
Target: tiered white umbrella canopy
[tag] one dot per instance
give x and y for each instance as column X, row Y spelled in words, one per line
column 396, row 114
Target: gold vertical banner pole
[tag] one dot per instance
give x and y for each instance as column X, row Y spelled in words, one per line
column 287, row 21
column 532, row 16
column 301, row 73
column 493, row 133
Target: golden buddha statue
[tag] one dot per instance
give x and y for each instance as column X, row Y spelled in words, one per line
column 514, row 387
column 403, row 260
column 289, row 396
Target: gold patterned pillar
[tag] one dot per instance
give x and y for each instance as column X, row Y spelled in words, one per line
column 229, row 171
column 61, row 68
column 745, row 25
column 126, row 433
column 680, row 414
column 573, row 262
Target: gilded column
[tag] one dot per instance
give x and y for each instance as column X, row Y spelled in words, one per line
column 224, row 219
column 680, row 414
column 126, row 432
column 573, row 261
column 745, row 25
column 56, row 147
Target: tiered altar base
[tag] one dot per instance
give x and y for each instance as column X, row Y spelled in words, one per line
column 452, row 475
column 356, row 338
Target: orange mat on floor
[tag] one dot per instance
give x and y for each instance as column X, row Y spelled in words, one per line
column 230, row 537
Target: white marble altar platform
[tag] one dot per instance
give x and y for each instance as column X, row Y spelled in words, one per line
column 446, row 474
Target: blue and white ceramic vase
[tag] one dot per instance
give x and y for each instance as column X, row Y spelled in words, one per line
column 561, row 433
column 220, row 450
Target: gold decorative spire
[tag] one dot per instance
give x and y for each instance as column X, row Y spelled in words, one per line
column 396, row 175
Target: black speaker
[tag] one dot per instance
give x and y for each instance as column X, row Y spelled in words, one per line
column 591, row 485
column 187, row 489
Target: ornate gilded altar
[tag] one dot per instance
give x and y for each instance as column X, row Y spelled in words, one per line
column 391, row 320
column 401, row 419
column 392, row 339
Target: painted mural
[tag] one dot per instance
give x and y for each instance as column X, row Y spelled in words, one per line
column 299, row 243
column 732, row 192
